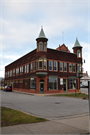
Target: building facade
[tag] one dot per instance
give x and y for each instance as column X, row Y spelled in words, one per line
column 46, row 70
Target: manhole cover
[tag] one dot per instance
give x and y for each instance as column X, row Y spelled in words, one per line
column 57, row 102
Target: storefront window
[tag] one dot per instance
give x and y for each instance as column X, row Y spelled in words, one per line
column 32, row 83
column 72, row 83
column 53, row 83
column 61, row 66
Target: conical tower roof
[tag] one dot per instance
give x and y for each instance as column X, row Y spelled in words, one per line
column 77, row 44
column 42, row 34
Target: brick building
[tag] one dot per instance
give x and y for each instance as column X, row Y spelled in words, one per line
column 46, row 70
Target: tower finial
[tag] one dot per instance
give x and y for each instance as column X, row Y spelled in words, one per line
column 41, row 26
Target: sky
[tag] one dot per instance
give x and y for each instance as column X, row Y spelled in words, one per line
column 62, row 21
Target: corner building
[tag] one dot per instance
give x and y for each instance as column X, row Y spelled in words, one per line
column 46, row 70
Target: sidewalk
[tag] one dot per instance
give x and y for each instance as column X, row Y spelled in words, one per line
column 77, row 124
column 34, row 94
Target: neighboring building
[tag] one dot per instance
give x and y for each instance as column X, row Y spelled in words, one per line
column 84, row 80
column 46, row 70
column 1, row 81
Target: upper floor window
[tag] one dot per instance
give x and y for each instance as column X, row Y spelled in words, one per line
column 25, row 68
column 50, row 65
column 74, row 67
column 78, row 53
column 13, row 72
column 40, row 47
column 31, row 67
column 45, row 63
column 40, row 63
column 55, row 66
column 79, row 67
column 65, row 66
column 70, row 67
column 8, row 73
column 61, row 66
column 21, row 69
column 17, row 70
column 34, row 66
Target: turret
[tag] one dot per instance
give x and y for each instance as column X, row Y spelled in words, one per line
column 78, row 50
column 41, row 41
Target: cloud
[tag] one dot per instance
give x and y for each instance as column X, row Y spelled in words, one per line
column 21, row 21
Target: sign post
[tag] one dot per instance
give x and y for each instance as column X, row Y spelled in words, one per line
column 89, row 101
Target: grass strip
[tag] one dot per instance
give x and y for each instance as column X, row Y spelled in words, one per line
column 10, row 117
column 81, row 95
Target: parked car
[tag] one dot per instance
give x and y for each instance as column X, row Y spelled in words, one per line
column 8, row 88
column 82, row 86
column 1, row 87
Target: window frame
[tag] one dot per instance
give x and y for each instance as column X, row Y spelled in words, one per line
column 55, row 66
column 75, row 68
column 61, row 67
column 70, row 67
column 35, row 83
column 50, row 65
column 53, row 83
column 66, row 67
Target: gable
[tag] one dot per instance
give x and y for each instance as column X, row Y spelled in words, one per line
column 63, row 48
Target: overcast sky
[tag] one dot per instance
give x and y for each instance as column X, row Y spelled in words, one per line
column 21, row 22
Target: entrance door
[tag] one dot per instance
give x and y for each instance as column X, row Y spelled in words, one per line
column 64, row 85
column 41, row 84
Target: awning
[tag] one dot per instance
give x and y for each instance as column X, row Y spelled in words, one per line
column 41, row 74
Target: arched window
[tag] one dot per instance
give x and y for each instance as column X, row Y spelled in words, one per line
column 78, row 53
column 40, row 46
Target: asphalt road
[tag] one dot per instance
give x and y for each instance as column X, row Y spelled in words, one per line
column 44, row 106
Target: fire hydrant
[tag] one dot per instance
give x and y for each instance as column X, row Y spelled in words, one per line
column 79, row 91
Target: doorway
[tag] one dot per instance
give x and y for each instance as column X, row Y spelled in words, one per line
column 41, row 86
column 65, row 85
